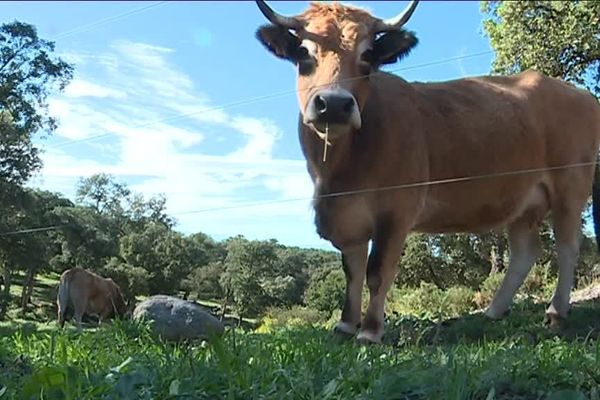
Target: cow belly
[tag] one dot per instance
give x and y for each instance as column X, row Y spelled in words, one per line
column 484, row 208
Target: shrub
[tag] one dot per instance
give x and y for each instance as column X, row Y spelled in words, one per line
column 540, row 282
column 459, row 300
column 429, row 301
column 296, row 315
column 327, row 294
column 487, row 289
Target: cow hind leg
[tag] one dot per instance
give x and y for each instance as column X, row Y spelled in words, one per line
column 524, row 243
column 381, row 271
column 79, row 311
column 567, row 229
column 354, row 261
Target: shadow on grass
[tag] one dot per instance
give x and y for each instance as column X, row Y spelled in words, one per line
column 24, row 327
column 525, row 324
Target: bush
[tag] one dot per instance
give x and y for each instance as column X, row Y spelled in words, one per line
column 429, row 301
column 459, row 300
column 133, row 281
column 487, row 289
column 327, row 294
column 540, row 282
column 296, row 315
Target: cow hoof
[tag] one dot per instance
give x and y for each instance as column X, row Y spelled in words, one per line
column 494, row 315
column 555, row 322
column 344, row 330
column 368, row 338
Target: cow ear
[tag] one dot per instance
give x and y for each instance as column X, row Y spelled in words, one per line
column 393, row 46
column 279, row 41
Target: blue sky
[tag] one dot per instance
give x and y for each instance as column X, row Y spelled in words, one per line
column 176, row 98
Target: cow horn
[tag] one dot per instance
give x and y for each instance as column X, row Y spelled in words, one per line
column 278, row 19
column 396, row 22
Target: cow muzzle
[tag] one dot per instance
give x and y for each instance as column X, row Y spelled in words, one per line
column 334, row 108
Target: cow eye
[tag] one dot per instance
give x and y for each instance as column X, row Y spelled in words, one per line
column 367, row 56
column 306, row 63
column 366, row 62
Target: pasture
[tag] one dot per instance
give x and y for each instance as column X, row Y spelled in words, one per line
column 448, row 192
column 468, row 357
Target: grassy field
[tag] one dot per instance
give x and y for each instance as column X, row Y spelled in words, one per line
column 463, row 358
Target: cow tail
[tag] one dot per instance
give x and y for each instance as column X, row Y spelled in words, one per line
column 63, row 295
column 596, row 203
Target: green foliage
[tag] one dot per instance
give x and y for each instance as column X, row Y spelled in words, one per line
column 445, row 260
column 206, row 281
column 132, row 280
column 429, row 301
column 286, row 317
column 248, row 266
column 29, row 73
column 539, row 284
column 558, row 38
column 474, row 360
column 162, row 253
column 488, row 289
column 326, row 291
column 129, row 211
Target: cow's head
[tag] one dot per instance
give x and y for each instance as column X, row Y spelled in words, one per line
column 335, row 49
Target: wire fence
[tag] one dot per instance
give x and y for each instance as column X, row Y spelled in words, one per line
column 410, row 185
column 108, row 20
column 258, row 99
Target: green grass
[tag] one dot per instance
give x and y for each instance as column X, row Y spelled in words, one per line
column 466, row 358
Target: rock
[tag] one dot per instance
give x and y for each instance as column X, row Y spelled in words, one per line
column 176, row 320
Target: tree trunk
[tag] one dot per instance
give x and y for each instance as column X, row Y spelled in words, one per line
column 224, row 307
column 7, row 282
column 27, row 289
column 5, row 294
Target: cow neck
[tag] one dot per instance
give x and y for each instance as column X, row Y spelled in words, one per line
column 339, row 155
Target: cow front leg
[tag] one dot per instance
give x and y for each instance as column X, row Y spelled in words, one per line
column 354, row 262
column 381, row 271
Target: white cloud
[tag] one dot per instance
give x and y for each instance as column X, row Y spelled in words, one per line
column 261, row 135
column 82, row 88
column 460, row 64
column 153, row 119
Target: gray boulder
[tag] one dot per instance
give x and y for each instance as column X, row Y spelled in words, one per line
column 175, row 319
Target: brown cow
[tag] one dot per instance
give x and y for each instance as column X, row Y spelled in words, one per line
column 383, row 131
column 89, row 294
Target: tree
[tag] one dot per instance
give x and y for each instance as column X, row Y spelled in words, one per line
column 206, row 281
column 558, row 38
column 129, row 211
column 131, row 279
column 87, row 239
column 326, row 291
column 249, row 268
column 29, row 73
column 29, row 252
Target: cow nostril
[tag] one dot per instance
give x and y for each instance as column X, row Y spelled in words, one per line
column 349, row 105
column 320, row 104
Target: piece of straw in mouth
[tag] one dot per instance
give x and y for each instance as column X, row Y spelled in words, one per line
column 326, row 141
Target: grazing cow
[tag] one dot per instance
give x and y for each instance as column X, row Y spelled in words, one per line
column 89, row 294
column 406, row 151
